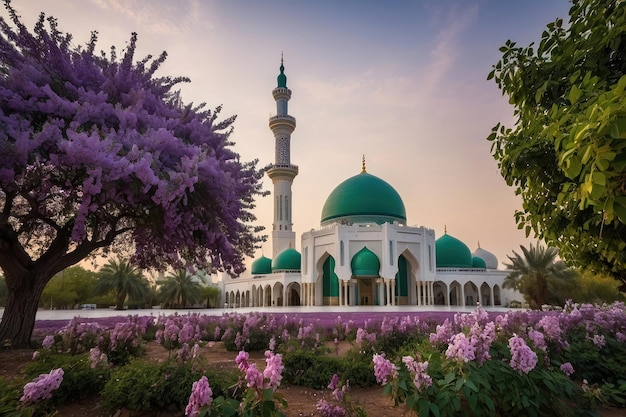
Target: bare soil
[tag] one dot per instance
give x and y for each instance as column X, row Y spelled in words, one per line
column 301, row 400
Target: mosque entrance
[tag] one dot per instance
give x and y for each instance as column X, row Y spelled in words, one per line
column 366, row 291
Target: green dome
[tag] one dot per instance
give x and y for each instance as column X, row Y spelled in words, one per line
column 363, row 198
column 452, row 253
column 287, row 260
column 262, row 265
column 478, row 263
column 365, row 263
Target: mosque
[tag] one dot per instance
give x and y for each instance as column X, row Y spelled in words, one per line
column 363, row 252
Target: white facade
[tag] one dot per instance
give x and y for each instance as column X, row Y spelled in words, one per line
column 361, row 258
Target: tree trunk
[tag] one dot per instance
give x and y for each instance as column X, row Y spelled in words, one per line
column 18, row 320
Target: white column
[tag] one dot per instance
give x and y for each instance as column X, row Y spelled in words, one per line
column 392, row 282
column 419, row 293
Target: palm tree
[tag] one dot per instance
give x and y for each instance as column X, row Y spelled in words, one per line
column 539, row 275
column 124, row 280
column 179, row 288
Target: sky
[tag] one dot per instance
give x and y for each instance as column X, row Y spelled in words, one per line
column 403, row 83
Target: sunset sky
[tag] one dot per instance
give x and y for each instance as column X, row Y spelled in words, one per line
column 402, row 82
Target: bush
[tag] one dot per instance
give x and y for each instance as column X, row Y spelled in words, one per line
column 313, row 370
column 80, row 380
column 150, row 386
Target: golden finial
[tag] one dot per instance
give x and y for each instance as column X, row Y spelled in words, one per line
column 445, row 229
column 363, row 164
column 479, row 244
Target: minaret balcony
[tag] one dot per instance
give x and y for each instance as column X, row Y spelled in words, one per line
column 281, row 92
column 283, row 120
column 279, row 170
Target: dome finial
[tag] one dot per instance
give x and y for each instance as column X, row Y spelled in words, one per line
column 445, row 229
column 479, row 244
column 363, row 164
column 282, row 78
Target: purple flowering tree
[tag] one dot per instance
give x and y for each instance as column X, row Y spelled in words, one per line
column 97, row 153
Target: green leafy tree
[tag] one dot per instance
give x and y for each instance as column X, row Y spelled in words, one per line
column 212, row 295
column 566, row 154
column 68, row 288
column 180, row 288
column 596, row 288
column 539, row 275
column 124, row 280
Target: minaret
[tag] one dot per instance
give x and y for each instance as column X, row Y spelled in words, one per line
column 282, row 172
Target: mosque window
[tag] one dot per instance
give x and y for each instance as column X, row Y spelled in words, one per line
column 280, row 208
column 306, row 258
column 341, row 253
column 390, row 252
column 430, row 258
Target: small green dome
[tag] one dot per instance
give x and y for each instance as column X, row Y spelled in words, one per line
column 282, row 78
column 452, row 253
column 262, row 265
column 287, row 260
column 478, row 263
column 363, row 198
column 365, row 263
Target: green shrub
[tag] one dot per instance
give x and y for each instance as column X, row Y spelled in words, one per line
column 80, row 380
column 150, row 386
column 313, row 370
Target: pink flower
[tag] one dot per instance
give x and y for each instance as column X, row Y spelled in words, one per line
column 384, row 370
column 41, row 387
column 567, row 369
column 522, row 357
column 242, row 360
column 200, row 396
column 461, row 348
column 273, row 370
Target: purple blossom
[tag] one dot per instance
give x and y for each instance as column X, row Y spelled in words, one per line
column 522, row 357
column 461, row 349
column 567, row 368
column 273, row 370
column 327, row 409
column 48, row 342
column 421, row 379
column 384, row 370
column 200, row 397
column 41, row 387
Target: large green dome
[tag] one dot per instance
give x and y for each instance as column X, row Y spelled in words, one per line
column 260, row 266
column 287, row 260
column 363, row 198
column 452, row 253
column 365, row 263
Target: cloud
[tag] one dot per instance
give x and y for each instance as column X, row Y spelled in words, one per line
column 157, row 17
column 445, row 52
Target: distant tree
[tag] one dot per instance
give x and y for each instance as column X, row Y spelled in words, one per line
column 179, row 288
column 539, row 275
column 96, row 152
column 594, row 288
column 121, row 278
column 566, row 155
column 212, row 295
column 69, row 288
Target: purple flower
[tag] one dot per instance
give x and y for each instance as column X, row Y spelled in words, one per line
column 242, row 361
column 522, row 357
column 273, row 370
column 41, row 387
column 334, row 382
column 384, row 370
column 461, row 348
column 418, row 369
column 327, row 409
column 567, row 369
column 48, row 341
column 200, row 396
